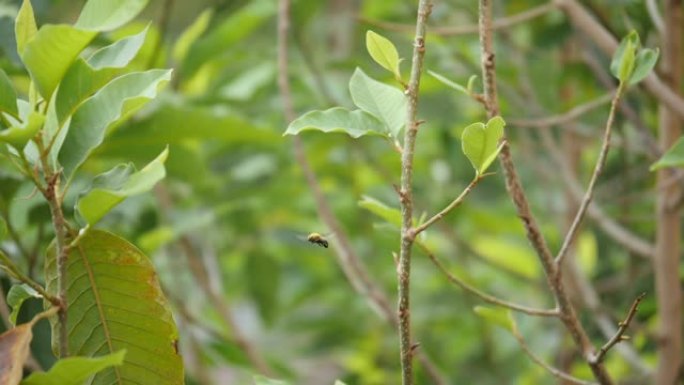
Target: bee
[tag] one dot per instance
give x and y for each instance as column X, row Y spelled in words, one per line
column 317, row 239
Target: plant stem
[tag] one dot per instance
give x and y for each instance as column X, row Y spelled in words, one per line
column 455, row 203
column 14, row 271
column 406, row 194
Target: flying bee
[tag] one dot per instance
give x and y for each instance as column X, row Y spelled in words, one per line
column 316, row 239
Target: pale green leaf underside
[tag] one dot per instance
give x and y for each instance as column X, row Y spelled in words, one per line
column 387, row 103
column 74, row 370
column 16, row 297
column 114, row 303
column 95, row 204
column 674, row 157
column 106, row 15
column 355, row 123
column 383, row 51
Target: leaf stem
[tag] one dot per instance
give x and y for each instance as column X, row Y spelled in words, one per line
column 15, row 272
column 455, row 203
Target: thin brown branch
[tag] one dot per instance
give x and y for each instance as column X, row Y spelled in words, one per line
column 537, row 360
column 406, row 193
column 482, row 295
column 16, row 273
column 468, row 29
column 566, row 117
column 622, row 328
column 589, row 194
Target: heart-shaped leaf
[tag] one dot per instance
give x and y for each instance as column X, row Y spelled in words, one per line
column 481, row 143
column 355, row 123
column 383, row 52
column 387, row 103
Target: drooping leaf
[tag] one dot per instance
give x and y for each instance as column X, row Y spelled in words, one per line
column 191, row 34
column 383, row 51
column 643, row 64
column 19, row 135
column 119, row 53
column 622, row 63
column 106, row 15
column 385, row 102
column 390, row 214
column 75, row 370
column 480, row 143
column 261, row 380
column 444, row 80
column 14, row 350
column 264, row 281
column 113, row 101
column 114, row 303
column 355, row 123
column 111, row 188
column 674, row 157
column 497, row 316
column 50, row 53
column 8, row 96
column 16, row 297
column 25, row 25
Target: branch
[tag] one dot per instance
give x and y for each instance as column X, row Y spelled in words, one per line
column 406, row 193
column 566, row 117
column 622, row 328
column 14, row 272
column 589, row 194
column 505, row 22
column 482, row 295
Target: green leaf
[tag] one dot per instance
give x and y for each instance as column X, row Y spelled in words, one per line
column 263, row 273
column 118, row 54
column 481, row 143
column 111, row 188
column 261, row 380
column 353, row 123
column 106, row 15
column 338, row 382
column 50, row 53
column 622, row 64
column 75, row 370
column 645, row 61
column 25, row 25
column 443, row 79
column 385, row 102
column 116, row 99
column 19, row 135
column 14, row 351
column 674, row 157
column 114, row 303
column 191, row 34
column 497, row 316
column 16, row 297
column 390, row 214
column 8, row 96
column 383, row 52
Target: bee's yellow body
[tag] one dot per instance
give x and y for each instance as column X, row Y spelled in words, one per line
column 317, row 239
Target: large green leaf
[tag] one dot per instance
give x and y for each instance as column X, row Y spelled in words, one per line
column 50, row 53
column 385, row 102
column 674, row 157
column 25, row 25
column 8, row 96
column 383, row 52
column 355, row 123
column 106, row 15
column 74, row 370
column 116, row 99
column 113, row 187
column 114, row 302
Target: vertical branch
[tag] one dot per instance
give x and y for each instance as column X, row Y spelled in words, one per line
column 668, row 223
column 407, row 231
column 567, row 312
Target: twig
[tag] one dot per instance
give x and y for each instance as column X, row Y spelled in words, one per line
column 588, row 195
column 484, row 296
column 567, row 311
column 505, row 22
column 566, row 117
column 622, row 328
column 406, row 189
column 455, row 203
column 537, row 360
column 16, row 273
column 656, row 18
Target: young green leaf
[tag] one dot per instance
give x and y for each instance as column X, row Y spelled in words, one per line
column 355, row 123
column 106, row 15
column 16, row 297
column 480, row 143
column 383, row 52
column 111, row 188
column 622, row 64
column 444, row 80
column 385, row 102
column 8, row 96
column 390, row 214
column 25, row 25
column 498, row 317
column 645, row 61
column 674, row 157
column 75, row 370
column 18, row 135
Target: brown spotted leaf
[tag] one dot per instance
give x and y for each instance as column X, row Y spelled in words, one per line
column 14, row 350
